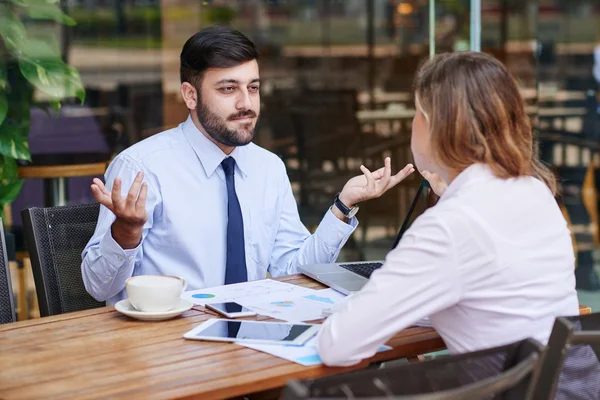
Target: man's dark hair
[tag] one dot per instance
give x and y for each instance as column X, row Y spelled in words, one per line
column 214, row 47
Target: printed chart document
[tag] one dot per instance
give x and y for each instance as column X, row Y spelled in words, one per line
column 278, row 300
column 255, row 291
column 306, row 355
column 294, row 307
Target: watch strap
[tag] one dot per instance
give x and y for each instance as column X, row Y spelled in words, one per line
column 341, row 206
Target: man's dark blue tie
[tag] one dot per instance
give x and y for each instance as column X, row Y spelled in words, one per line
column 235, row 270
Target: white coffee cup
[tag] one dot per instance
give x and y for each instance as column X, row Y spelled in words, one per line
column 154, row 293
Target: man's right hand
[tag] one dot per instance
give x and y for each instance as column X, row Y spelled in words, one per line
column 130, row 211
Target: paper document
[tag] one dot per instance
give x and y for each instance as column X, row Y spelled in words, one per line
column 294, row 307
column 305, row 355
column 425, row 321
column 259, row 291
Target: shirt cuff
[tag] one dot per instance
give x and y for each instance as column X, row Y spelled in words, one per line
column 114, row 253
column 333, row 231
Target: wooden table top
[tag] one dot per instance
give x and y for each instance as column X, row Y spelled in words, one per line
column 583, row 310
column 100, row 353
column 367, row 116
column 364, row 97
column 382, row 115
column 62, row 171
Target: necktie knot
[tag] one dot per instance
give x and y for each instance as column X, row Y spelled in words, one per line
column 228, row 165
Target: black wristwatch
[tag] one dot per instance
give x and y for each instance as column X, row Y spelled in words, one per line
column 348, row 212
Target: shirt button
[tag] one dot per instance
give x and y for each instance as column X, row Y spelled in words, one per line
column 130, row 258
column 119, row 258
column 110, row 278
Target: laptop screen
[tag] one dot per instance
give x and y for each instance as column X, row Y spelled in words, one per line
column 417, row 207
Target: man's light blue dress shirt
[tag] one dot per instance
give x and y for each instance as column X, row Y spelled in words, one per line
column 187, row 217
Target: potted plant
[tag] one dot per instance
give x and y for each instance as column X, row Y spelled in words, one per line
column 28, row 61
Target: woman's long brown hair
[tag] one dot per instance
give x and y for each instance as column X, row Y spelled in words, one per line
column 477, row 115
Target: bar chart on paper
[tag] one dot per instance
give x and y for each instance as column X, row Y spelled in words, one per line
column 305, row 307
column 262, row 290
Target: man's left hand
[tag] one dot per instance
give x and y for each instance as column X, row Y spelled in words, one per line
column 371, row 185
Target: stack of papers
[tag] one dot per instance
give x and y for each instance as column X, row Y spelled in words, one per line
column 255, row 291
column 306, row 355
column 285, row 302
column 424, row 322
column 295, row 307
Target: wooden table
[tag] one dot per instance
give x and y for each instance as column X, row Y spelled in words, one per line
column 370, row 116
column 55, row 178
column 584, row 310
column 364, row 97
column 100, row 353
column 556, row 112
column 546, row 96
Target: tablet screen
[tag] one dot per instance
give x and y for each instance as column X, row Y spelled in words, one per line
column 250, row 330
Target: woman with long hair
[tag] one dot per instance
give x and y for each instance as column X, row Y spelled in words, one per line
column 492, row 262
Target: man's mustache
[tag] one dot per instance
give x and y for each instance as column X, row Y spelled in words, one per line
column 242, row 114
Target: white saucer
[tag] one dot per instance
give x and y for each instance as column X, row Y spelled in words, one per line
column 124, row 307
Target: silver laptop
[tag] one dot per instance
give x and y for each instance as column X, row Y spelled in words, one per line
column 351, row 277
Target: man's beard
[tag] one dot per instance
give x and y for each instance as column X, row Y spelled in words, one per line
column 217, row 129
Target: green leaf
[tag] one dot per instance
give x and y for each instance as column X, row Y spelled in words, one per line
column 13, row 143
column 27, row 3
column 20, row 107
column 3, row 75
column 40, row 49
column 9, row 190
column 20, row 3
column 44, row 108
column 3, row 107
column 43, row 56
column 43, row 10
column 8, row 168
column 55, row 104
column 10, row 185
column 53, row 77
column 11, row 29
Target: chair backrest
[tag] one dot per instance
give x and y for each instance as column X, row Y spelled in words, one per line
column 507, row 372
column 571, row 365
column 56, row 237
column 7, row 301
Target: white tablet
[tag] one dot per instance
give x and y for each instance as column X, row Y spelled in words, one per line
column 227, row 330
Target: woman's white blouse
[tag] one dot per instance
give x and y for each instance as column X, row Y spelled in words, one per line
column 490, row 264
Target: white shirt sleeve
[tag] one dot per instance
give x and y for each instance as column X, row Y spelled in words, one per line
column 105, row 265
column 419, row 278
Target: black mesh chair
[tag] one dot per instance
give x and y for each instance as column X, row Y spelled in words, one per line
column 571, row 369
column 56, row 237
column 7, row 301
column 507, row 372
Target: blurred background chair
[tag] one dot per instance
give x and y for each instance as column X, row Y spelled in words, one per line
column 583, row 223
column 276, row 116
column 402, row 72
column 571, row 368
column 56, row 237
column 507, row 372
column 7, row 302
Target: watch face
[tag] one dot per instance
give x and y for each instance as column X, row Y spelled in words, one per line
column 352, row 212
